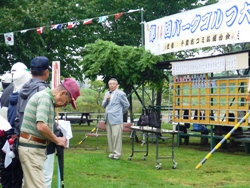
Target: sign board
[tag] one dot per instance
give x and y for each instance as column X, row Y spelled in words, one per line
column 212, row 64
column 55, row 74
column 217, row 24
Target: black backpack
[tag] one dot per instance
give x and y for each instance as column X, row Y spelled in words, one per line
column 144, row 119
column 154, row 119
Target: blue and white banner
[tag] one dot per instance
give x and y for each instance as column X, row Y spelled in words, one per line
column 217, row 24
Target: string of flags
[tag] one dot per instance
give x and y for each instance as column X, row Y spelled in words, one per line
column 9, row 37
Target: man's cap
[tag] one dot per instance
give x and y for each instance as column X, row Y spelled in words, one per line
column 18, row 66
column 73, row 88
column 20, row 77
column 40, row 63
column 6, row 77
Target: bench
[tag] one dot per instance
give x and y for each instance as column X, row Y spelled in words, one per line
column 215, row 135
column 76, row 117
column 212, row 134
column 245, row 139
column 214, row 139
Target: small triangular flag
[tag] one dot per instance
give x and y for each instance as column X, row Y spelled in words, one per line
column 102, row 19
column 39, row 30
column 71, row 25
column 118, row 15
column 9, row 38
column 87, row 21
column 23, row 31
column 57, row 26
column 133, row 10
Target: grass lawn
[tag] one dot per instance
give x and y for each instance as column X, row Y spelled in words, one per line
column 91, row 168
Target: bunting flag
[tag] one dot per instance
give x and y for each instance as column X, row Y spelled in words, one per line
column 23, row 31
column 87, row 21
column 9, row 38
column 134, row 10
column 118, row 15
column 71, row 25
column 57, row 26
column 39, row 30
column 102, row 19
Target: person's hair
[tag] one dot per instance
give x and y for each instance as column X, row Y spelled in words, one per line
column 61, row 88
column 113, row 79
column 37, row 72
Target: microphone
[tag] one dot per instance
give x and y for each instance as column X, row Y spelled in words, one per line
column 109, row 94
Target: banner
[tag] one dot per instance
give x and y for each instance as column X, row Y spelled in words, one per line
column 217, row 24
column 212, row 64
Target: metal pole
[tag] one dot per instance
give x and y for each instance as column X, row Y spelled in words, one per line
column 142, row 28
column 142, row 44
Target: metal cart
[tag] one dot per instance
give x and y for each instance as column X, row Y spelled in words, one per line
column 158, row 133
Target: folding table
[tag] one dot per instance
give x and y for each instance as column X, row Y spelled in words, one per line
column 158, row 133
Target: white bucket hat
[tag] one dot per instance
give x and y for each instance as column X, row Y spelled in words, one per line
column 18, row 66
column 20, row 78
column 6, row 78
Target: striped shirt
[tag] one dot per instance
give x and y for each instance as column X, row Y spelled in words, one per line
column 40, row 107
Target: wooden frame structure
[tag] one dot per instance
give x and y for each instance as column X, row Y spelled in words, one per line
column 201, row 96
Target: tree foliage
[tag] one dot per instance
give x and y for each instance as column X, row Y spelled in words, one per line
column 129, row 65
column 65, row 45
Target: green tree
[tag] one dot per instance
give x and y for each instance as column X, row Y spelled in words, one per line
column 131, row 66
column 99, row 87
column 62, row 45
column 65, row 45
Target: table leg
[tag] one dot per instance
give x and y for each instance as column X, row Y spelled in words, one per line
column 132, row 144
column 175, row 164
column 158, row 166
column 133, row 135
column 146, row 154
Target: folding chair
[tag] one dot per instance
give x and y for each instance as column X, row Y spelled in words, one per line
column 125, row 127
column 100, row 127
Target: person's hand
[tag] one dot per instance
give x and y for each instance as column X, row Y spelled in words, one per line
column 108, row 97
column 61, row 141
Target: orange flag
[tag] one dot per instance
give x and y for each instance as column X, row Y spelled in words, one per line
column 118, row 15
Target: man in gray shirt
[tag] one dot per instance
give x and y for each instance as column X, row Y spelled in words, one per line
column 116, row 104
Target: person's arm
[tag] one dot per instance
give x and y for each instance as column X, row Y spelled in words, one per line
column 106, row 100
column 124, row 102
column 45, row 130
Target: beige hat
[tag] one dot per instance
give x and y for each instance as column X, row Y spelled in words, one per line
column 20, row 77
column 6, row 78
column 18, row 66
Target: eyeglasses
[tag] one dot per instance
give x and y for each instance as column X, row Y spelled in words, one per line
column 70, row 98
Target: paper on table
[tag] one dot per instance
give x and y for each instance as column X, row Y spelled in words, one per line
column 4, row 124
column 65, row 127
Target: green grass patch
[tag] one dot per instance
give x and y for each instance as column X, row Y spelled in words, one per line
column 92, row 168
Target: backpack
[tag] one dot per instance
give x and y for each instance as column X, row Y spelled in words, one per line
column 144, row 119
column 19, row 117
column 154, row 120
column 11, row 113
